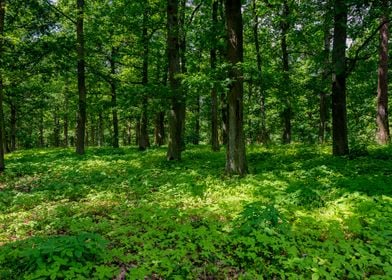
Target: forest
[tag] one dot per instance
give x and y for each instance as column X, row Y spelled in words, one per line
column 195, row 139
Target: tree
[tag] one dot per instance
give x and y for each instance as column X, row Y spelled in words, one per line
column 339, row 109
column 383, row 136
column 81, row 128
column 2, row 138
column 235, row 149
column 177, row 99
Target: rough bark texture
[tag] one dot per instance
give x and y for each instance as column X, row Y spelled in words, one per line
column 214, row 93
column 263, row 136
column 114, row 98
column 235, row 149
column 287, row 110
column 339, row 110
column 383, row 135
column 177, row 100
column 2, row 15
column 81, row 127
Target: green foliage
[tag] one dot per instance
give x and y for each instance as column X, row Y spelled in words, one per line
column 301, row 213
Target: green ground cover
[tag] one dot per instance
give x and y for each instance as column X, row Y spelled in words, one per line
column 299, row 214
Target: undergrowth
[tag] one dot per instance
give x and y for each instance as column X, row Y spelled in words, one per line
column 299, row 214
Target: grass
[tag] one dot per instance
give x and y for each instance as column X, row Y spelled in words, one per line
column 299, row 214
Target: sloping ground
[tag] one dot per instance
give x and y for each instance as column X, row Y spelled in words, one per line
column 300, row 214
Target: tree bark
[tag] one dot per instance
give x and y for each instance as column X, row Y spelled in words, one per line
column 196, row 138
column 144, row 141
column 81, row 127
column 66, row 124
column 287, row 110
column 263, row 136
column 160, row 129
column 177, row 99
column 339, row 109
column 235, row 149
column 214, row 94
column 114, row 97
column 2, row 17
column 101, row 137
column 383, row 135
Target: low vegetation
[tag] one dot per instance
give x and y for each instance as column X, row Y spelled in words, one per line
column 300, row 213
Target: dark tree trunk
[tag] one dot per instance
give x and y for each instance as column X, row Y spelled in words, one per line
column 13, row 123
column 383, row 135
column 214, row 93
column 235, row 149
column 287, row 110
column 92, row 131
column 183, row 65
column 2, row 138
column 81, row 127
column 326, row 76
column 114, row 98
column 144, row 141
column 160, row 129
column 339, row 110
column 263, row 136
column 56, row 129
column 196, row 138
column 66, row 124
column 177, row 99
column 224, row 123
column 101, row 137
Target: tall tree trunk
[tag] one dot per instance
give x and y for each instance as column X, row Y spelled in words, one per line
column 196, row 135
column 160, row 129
column 287, row 110
column 383, row 135
column 41, row 129
column 235, row 150
column 56, row 129
column 2, row 17
column 66, row 124
column 81, row 127
column 114, row 97
column 263, row 137
column 177, row 99
column 92, row 131
column 101, row 137
column 183, row 64
column 13, row 122
column 323, row 106
column 129, row 131
column 214, row 93
column 339, row 110
column 144, row 141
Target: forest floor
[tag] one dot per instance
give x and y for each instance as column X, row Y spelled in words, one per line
column 300, row 214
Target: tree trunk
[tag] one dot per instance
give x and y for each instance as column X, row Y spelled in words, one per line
column 137, row 134
column 56, row 129
column 101, row 138
column 66, row 124
column 196, row 138
column 41, row 129
column 323, row 105
column 160, row 129
column 263, row 136
column 214, row 95
column 177, row 99
column 13, row 122
column 92, row 131
column 114, row 97
column 81, row 127
column 383, row 135
column 183, row 65
column 2, row 17
column 287, row 111
column 144, row 141
column 339, row 110
column 235, row 150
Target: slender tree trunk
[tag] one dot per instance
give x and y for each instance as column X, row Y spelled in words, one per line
column 160, row 129
column 287, row 111
column 196, row 135
column 66, row 124
column 13, row 123
column 177, row 99
column 41, row 129
column 225, row 119
column 129, row 131
column 92, row 131
column 339, row 110
column 56, row 129
column 383, row 135
column 235, row 150
column 114, row 97
column 263, row 136
column 144, row 142
column 81, row 127
column 2, row 17
column 214, row 94
column 101, row 138
column 183, row 65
